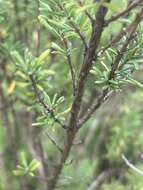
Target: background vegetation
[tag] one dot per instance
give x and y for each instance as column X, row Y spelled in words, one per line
column 59, row 62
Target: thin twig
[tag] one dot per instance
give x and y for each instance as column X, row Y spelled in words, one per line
column 70, row 66
column 54, row 142
column 38, row 95
column 123, row 32
column 128, row 9
column 41, row 101
column 68, row 54
column 132, row 166
column 113, row 41
column 77, row 30
column 69, row 162
column 98, row 181
column 92, row 20
column 78, row 143
column 130, row 33
column 101, row 99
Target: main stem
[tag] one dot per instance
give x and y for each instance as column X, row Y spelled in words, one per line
column 88, row 61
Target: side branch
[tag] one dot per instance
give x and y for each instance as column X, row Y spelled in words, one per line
column 131, row 31
column 106, row 93
column 101, row 99
column 129, row 8
column 87, row 13
column 77, row 30
column 132, row 166
column 54, row 142
column 41, row 101
column 70, row 66
column 96, row 184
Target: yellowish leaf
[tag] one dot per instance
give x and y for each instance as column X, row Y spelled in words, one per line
column 11, row 87
column 43, row 56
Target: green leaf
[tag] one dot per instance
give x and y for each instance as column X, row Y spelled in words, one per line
column 18, row 172
column 100, row 82
column 60, row 25
column 31, row 174
column 95, row 71
column 38, row 124
column 50, row 28
column 135, row 82
column 85, row 7
column 54, row 99
column 49, row 72
column 34, row 164
column 47, row 98
column 17, row 57
column 20, row 167
column 64, row 112
column 113, row 82
column 43, row 56
column 45, row 6
column 60, row 100
column 23, row 159
column 57, row 47
column 104, row 65
column 113, row 7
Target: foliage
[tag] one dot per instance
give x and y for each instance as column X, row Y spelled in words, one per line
column 59, row 62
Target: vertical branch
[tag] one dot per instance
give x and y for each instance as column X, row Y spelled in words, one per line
column 90, row 54
column 88, row 62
